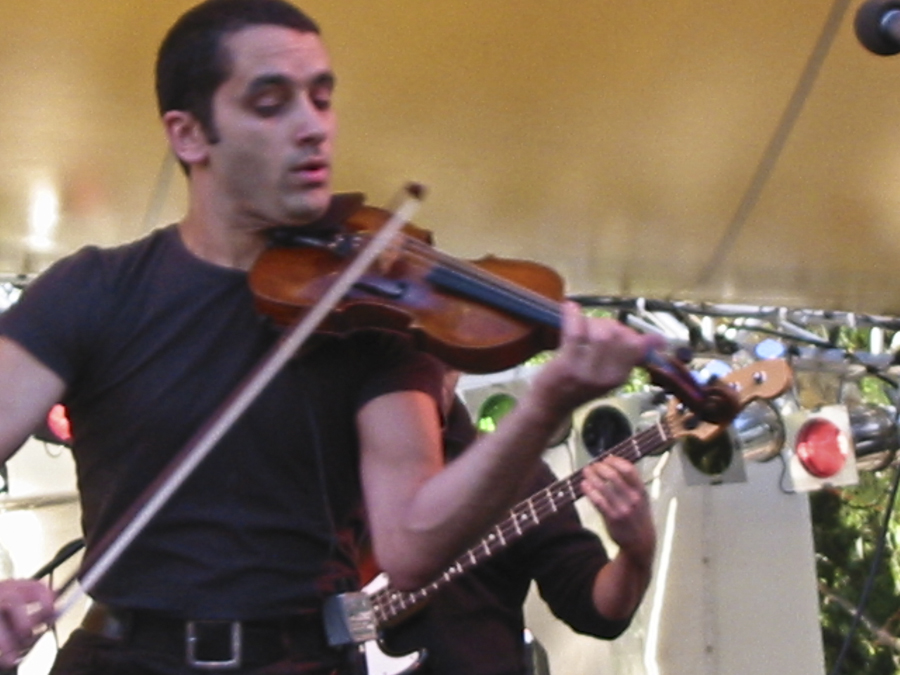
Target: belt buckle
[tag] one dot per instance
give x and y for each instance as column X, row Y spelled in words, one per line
column 193, row 637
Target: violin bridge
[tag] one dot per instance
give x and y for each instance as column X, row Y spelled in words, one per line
column 385, row 288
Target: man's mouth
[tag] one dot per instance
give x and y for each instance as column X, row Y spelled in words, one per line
column 312, row 171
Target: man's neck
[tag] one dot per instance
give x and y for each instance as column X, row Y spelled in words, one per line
column 219, row 242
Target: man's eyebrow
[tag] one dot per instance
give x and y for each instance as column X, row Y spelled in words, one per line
column 269, row 80
column 325, row 79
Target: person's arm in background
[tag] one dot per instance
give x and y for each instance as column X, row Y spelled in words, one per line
column 582, row 586
column 615, row 488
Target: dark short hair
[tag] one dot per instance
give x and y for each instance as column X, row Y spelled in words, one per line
column 192, row 63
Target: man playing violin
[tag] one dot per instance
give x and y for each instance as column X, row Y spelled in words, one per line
column 144, row 342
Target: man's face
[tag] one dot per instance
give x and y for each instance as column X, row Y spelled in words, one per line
column 273, row 116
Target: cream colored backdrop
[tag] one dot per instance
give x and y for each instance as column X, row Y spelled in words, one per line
column 616, row 141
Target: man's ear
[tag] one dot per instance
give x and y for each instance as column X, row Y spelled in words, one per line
column 187, row 137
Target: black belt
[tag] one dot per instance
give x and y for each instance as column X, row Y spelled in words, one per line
column 212, row 644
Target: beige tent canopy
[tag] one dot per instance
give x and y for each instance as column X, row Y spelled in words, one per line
column 709, row 151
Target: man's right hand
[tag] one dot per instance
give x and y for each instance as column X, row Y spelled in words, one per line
column 26, row 606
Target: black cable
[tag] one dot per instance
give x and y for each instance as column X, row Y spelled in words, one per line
column 784, row 474
column 769, row 313
column 820, row 343
column 870, row 580
column 66, row 552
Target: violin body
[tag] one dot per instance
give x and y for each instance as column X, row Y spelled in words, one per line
column 411, row 290
column 481, row 316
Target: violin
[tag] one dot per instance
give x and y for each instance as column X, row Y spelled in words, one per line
column 477, row 316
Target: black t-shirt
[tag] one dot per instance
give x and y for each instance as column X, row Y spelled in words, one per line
column 150, row 341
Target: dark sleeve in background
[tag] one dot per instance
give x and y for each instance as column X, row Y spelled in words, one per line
column 474, row 624
column 564, row 558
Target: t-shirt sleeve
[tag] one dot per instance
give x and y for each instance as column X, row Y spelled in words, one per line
column 400, row 367
column 55, row 318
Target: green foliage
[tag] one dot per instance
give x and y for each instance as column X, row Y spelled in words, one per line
column 847, row 525
column 874, row 391
column 540, row 358
column 638, row 381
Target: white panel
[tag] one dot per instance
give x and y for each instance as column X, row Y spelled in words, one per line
column 734, row 590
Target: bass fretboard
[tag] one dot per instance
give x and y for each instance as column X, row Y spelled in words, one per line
column 390, row 605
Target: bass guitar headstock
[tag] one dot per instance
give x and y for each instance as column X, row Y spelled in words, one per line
column 759, row 380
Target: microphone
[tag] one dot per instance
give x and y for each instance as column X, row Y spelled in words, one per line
column 877, row 26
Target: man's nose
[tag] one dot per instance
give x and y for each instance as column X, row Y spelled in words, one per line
column 313, row 124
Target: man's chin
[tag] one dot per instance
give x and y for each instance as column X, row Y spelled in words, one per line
column 310, row 209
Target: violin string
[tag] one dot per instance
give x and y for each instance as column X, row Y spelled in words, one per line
column 525, row 296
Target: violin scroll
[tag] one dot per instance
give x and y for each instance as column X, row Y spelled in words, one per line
column 716, row 403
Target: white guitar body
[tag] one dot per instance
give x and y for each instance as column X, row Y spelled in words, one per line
column 379, row 662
